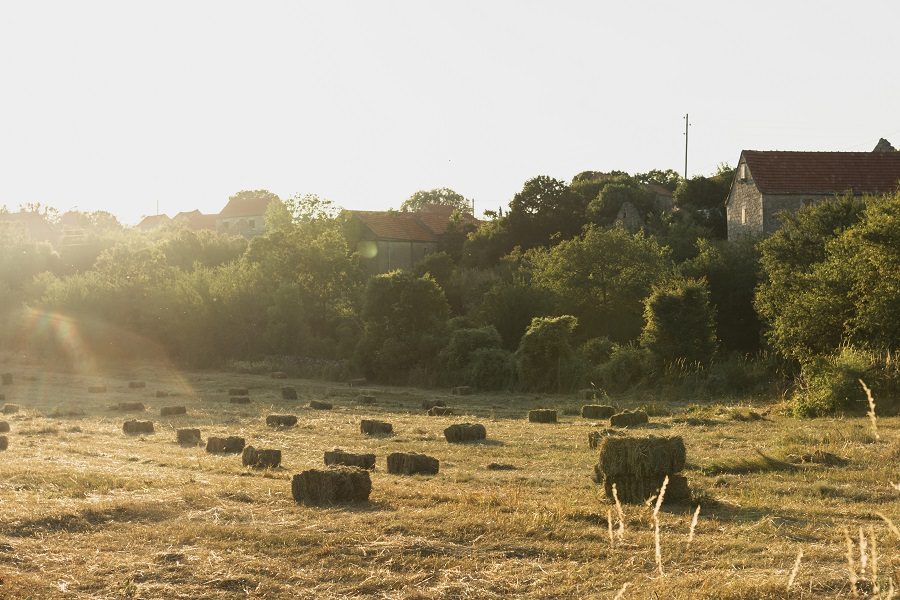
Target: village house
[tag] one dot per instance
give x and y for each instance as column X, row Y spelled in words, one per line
column 770, row 183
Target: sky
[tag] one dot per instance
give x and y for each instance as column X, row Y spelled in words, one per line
column 118, row 106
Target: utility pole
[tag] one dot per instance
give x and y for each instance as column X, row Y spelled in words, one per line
column 687, row 123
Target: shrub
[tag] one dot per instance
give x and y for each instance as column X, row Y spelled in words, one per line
column 628, row 365
column 680, row 322
column 597, row 351
column 492, row 369
column 455, row 357
column 545, row 356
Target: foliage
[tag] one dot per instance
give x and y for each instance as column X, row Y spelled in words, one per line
column 597, row 350
column 680, row 322
column 628, row 366
column 704, row 199
column 492, row 369
column 439, row 196
column 546, row 360
column 510, row 307
column 545, row 210
column 456, row 356
column 439, row 265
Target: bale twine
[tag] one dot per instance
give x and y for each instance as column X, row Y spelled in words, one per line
column 134, row 427
column 461, row 390
column 638, row 466
column 349, row 459
column 429, row 404
column 542, row 415
column 587, row 394
column 9, row 409
column 168, row 411
column 279, row 375
column 410, row 463
column 136, row 385
column 373, row 427
column 130, row 406
column 97, row 389
column 261, row 458
column 365, row 399
column 4, row 427
column 188, row 437
column 288, row 393
column 7, row 378
column 597, row 411
column 439, row 411
column 465, row 432
column 358, row 381
column 4, row 442
column 231, row 444
column 281, row 420
column 238, row 392
column 629, row 418
column 239, row 399
column 331, row 486
column 319, row 405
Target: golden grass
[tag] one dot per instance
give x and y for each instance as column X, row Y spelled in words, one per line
column 87, row 512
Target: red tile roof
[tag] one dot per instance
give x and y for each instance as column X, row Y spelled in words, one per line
column 780, row 172
column 153, row 221
column 196, row 220
column 436, row 217
column 395, row 226
column 246, row 206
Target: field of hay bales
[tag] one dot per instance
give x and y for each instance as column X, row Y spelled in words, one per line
column 87, row 511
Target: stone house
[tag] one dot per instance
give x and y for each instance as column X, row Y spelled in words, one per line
column 244, row 215
column 769, row 183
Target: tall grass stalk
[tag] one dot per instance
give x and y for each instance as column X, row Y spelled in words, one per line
column 873, row 561
column 863, row 554
column 890, row 524
column 794, row 571
column 871, row 413
column 659, row 501
column 609, row 527
column 621, row 593
column 694, row 520
column 851, row 566
column 621, row 530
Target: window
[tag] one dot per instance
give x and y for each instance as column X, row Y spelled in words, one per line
column 743, row 215
column 251, row 224
column 742, row 172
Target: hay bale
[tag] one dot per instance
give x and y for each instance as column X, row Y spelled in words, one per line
column 629, row 418
column 7, row 378
column 465, row 432
column 279, row 375
column 410, row 463
column 542, row 415
column 130, row 407
column 636, row 490
column 4, row 442
column 288, row 393
column 4, row 427
column 319, row 405
column 501, row 467
column 230, row 444
column 429, row 404
column 638, row 466
column 238, row 392
column 357, row 382
column 331, row 486
column 365, row 399
column 188, row 437
column 461, row 390
column 168, row 411
column 261, row 458
column 134, row 427
column 9, row 409
column 588, row 394
column 597, row 411
column 97, row 389
column 137, row 385
column 281, row 420
column 239, row 399
column 349, row 459
column 439, row 411
column 373, row 427
column 596, row 437
column 162, row 394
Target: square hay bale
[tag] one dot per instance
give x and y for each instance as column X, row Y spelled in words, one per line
column 461, row 390
column 542, row 415
column 638, row 466
column 357, row 382
column 410, row 463
column 365, row 399
column 288, row 393
column 7, row 378
column 373, row 427
column 629, row 418
column 130, row 406
column 597, row 411
column 238, row 392
column 331, row 486
column 501, row 467
column 134, row 427
column 162, row 394
column 588, row 394
column 261, row 458
column 319, row 405
column 97, row 389
column 137, row 385
column 349, row 459
column 429, row 404
column 4, row 427
column 465, row 432
column 637, row 490
column 279, row 375
column 281, row 420
column 230, row 445
column 239, row 399
column 597, row 436
column 439, row 411
column 4, row 442
column 9, row 409
column 188, row 437
column 168, row 411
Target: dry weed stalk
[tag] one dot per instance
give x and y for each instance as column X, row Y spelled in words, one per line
column 871, row 413
column 609, row 527
column 863, row 555
column 794, row 571
column 873, row 561
column 621, row 593
column 851, row 566
column 694, row 524
column 659, row 501
column 896, row 486
column 890, row 524
column 621, row 530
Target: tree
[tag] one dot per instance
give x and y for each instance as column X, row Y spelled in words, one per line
column 439, row 196
column 704, row 198
column 680, row 322
column 545, row 356
column 545, row 211
column 668, row 178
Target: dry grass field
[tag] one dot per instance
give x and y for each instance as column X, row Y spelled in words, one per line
column 88, row 512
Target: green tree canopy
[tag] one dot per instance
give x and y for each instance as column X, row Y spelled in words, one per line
column 440, row 196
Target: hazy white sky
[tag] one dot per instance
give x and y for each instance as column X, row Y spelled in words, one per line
column 117, row 105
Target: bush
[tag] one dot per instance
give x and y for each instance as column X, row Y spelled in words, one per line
column 628, row 365
column 455, row 357
column 680, row 323
column 597, row 351
column 492, row 369
column 545, row 356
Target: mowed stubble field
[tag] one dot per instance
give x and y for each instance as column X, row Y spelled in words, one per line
column 88, row 512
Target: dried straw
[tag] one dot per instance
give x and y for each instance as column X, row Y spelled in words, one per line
column 794, row 571
column 871, row 413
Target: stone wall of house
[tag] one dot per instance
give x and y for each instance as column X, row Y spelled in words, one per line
column 744, row 211
column 392, row 255
column 247, row 226
column 774, row 205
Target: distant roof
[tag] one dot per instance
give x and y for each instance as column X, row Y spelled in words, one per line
column 153, row 221
column 196, row 220
column 32, row 223
column 246, row 206
column 659, row 190
column 424, row 225
column 782, row 172
column 436, row 217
